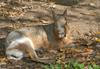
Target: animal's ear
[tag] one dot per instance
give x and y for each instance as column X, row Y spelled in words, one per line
column 65, row 13
column 53, row 14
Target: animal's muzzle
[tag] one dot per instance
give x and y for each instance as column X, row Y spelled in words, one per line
column 62, row 35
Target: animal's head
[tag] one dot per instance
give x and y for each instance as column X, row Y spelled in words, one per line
column 60, row 23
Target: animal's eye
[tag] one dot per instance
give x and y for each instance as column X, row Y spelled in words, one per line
column 62, row 26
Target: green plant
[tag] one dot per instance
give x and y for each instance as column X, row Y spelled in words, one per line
column 72, row 65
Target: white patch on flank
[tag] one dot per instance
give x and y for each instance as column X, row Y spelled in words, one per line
column 11, row 51
column 15, row 52
column 24, row 40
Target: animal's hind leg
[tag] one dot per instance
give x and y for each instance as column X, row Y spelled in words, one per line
column 13, row 53
column 42, row 60
column 35, row 55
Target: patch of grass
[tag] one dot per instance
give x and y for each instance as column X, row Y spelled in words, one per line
column 72, row 65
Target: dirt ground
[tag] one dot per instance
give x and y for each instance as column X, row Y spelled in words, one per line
column 83, row 20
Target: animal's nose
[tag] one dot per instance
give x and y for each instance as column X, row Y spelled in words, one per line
column 61, row 35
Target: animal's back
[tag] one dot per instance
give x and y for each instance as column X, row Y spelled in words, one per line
column 36, row 34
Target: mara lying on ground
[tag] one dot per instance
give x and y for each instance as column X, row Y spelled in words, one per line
column 30, row 39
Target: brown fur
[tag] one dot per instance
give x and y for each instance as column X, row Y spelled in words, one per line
column 51, row 36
